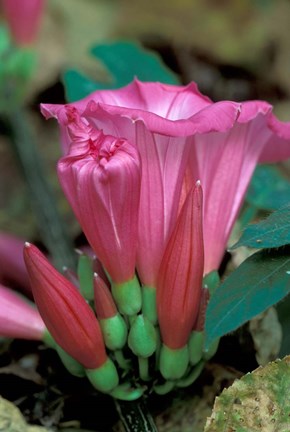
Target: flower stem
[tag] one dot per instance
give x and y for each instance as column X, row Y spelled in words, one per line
column 135, row 416
column 143, row 368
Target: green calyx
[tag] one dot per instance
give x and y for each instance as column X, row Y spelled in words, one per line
column 128, row 296
column 212, row 350
column 195, row 347
column 192, row 376
column 173, row 362
column 149, row 308
column 105, row 378
column 142, row 338
column 126, row 393
column 74, row 367
column 48, row 339
column 86, row 277
column 114, row 332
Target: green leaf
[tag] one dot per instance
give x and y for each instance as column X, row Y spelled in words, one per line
column 268, row 190
column 124, row 61
column 258, row 283
column 272, row 232
column 258, row 402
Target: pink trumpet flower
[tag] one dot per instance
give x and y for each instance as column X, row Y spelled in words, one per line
column 179, row 286
column 67, row 316
column 181, row 136
column 18, row 317
column 23, row 17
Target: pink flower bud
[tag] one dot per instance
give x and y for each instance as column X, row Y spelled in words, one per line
column 18, row 317
column 23, row 17
column 179, row 284
column 104, row 303
column 101, row 180
column 67, row 316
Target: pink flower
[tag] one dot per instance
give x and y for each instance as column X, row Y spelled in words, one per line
column 67, row 316
column 181, row 136
column 101, row 180
column 23, row 17
column 18, row 317
column 225, row 162
column 12, row 266
column 179, row 286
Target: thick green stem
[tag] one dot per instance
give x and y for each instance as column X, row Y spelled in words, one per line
column 50, row 224
column 135, row 416
column 143, row 368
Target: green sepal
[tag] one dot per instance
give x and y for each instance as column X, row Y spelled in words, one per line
column 142, row 338
column 192, row 376
column 162, row 389
column 126, row 393
column 86, row 277
column 105, row 378
column 195, row 347
column 73, row 366
column 149, row 308
column 48, row 339
column 114, row 332
column 207, row 354
column 211, row 281
column 173, row 363
column 128, row 296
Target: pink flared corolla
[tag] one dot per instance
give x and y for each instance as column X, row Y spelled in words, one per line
column 68, row 317
column 101, row 180
column 23, row 17
column 182, row 136
column 18, row 317
column 179, row 284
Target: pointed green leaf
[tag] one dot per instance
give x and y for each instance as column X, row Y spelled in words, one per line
column 258, row 283
column 272, row 232
column 124, row 61
column 258, row 402
column 269, row 189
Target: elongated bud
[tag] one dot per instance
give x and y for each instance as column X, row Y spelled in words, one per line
column 18, row 317
column 179, row 285
column 113, row 326
column 68, row 317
